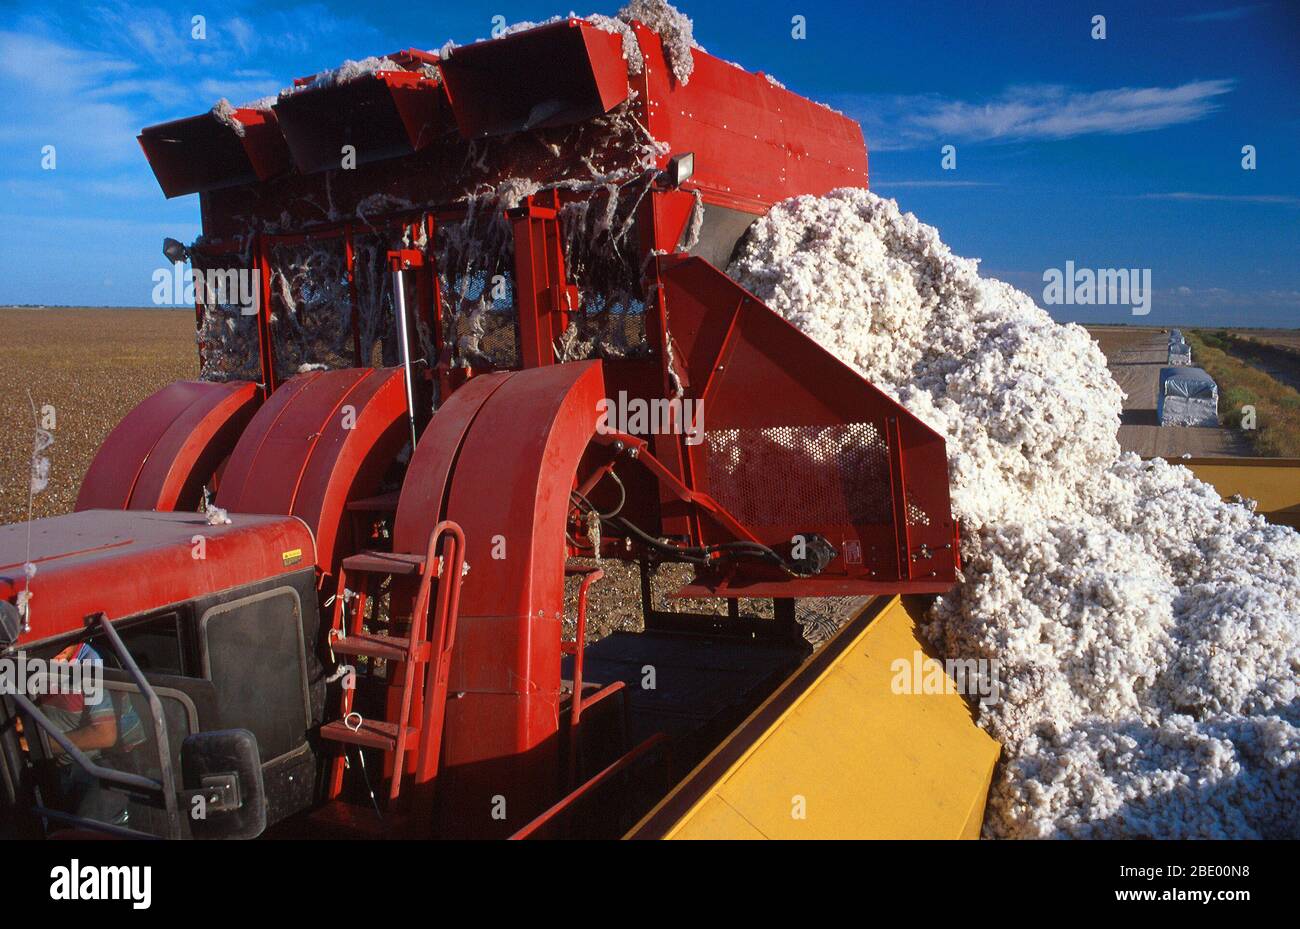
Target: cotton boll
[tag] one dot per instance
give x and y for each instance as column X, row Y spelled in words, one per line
column 224, row 113
column 216, row 516
column 674, row 28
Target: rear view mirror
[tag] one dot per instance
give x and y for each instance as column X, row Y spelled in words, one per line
column 224, row 796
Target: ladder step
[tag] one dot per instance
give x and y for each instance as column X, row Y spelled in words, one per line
column 373, row 733
column 394, row 563
column 372, row 645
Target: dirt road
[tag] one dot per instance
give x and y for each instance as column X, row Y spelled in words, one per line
column 1135, row 360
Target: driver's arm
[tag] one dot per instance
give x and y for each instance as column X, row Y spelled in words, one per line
column 100, row 732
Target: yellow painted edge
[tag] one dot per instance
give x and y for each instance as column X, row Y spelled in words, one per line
column 739, row 762
column 879, row 608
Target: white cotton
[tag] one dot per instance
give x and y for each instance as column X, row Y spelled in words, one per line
column 1148, row 633
column 224, row 113
column 216, row 516
column 675, row 29
column 345, row 73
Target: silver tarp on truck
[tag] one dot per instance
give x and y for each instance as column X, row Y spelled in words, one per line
column 1188, row 397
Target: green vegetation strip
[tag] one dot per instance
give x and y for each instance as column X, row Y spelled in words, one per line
column 1276, row 432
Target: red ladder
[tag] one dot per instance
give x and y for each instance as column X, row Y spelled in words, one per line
column 433, row 651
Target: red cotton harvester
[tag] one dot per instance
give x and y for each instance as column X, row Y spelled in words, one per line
column 488, row 346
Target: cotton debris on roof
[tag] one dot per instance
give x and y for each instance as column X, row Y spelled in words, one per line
column 345, row 73
column 1148, row 633
column 224, row 113
column 674, row 27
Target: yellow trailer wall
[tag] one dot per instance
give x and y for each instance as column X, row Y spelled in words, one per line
column 836, row 752
column 1274, row 483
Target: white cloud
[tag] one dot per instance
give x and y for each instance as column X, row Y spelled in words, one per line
column 878, row 183
column 1036, row 112
column 62, row 96
column 1274, row 199
column 1218, row 16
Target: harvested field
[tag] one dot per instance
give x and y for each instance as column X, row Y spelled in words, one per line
column 1279, row 358
column 1279, row 338
column 1247, row 380
column 1114, row 339
column 93, row 366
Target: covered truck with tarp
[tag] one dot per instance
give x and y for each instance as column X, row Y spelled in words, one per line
column 1187, row 397
column 1180, row 353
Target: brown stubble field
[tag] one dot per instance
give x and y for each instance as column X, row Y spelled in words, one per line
column 1280, row 338
column 93, row 366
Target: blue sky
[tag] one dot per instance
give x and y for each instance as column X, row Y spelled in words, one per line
column 1118, row 153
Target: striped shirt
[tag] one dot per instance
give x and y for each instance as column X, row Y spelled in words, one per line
column 71, row 711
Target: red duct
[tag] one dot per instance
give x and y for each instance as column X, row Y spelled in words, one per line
column 550, row 76
column 204, row 153
column 383, row 115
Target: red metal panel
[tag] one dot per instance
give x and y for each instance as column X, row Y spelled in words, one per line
column 384, row 115
column 542, row 295
column 238, row 468
column 755, row 143
column 190, row 452
column 164, row 449
column 349, row 462
column 321, row 439
column 510, row 488
column 667, row 212
column 272, row 476
column 126, row 562
column 424, row 489
column 555, row 75
column 797, row 442
column 204, row 153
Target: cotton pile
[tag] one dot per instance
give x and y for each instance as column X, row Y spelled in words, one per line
column 1148, row 633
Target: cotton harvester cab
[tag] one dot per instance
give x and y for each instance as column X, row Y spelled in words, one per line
column 467, row 350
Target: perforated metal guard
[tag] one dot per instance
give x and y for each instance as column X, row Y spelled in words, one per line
column 802, row 475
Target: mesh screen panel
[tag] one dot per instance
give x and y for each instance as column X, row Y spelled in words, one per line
column 311, row 308
column 227, row 332
column 475, row 261
column 810, row 475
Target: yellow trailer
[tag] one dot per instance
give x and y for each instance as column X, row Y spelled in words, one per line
column 1274, row 483
column 846, row 748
